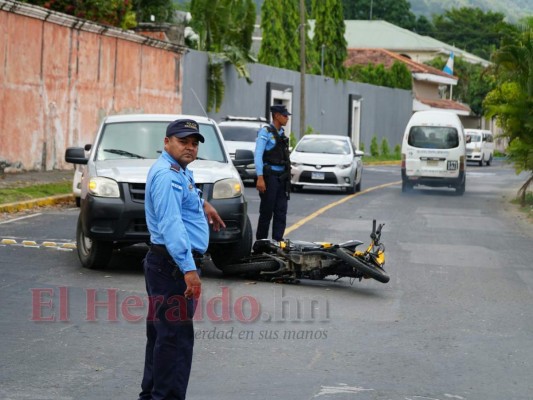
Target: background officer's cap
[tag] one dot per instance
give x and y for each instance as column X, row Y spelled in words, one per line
column 279, row 108
column 183, row 128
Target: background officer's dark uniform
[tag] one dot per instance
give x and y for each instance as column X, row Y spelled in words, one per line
column 272, row 161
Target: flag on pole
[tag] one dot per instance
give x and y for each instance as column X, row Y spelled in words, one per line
column 448, row 68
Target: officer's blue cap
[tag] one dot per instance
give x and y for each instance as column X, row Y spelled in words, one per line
column 183, row 128
column 279, row 108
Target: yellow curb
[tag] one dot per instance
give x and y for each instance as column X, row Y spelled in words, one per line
column 28, row 204
column 29, row 243
column 68, row 246
column 49, row 244
column 8, row 241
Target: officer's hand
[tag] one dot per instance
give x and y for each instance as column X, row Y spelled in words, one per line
column 260, row 185
column 212, row 217
column 194, row 285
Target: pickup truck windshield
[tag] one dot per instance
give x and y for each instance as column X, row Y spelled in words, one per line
column 144, row 139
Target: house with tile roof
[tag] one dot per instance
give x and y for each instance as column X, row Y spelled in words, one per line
column 426, row 80
column 384, row 35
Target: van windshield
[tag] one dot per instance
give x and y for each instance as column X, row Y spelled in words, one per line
column 144, row 140
column 433, row 137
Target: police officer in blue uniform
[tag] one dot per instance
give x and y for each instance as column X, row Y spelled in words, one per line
column 272, row 165
column 178, row 220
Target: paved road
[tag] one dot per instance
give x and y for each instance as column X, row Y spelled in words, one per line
column 455, row 321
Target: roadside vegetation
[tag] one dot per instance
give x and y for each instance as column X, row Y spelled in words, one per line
column 12, row 195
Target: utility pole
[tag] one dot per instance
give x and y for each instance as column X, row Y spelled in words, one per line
column 302, row 68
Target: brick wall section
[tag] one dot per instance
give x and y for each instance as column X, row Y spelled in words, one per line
column 59, row 76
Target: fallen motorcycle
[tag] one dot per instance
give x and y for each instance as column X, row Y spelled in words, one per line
column 289, row 260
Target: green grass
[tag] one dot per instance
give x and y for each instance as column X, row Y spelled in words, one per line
column 370, row 159
column 11, row 195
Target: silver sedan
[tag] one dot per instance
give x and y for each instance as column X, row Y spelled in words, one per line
column 326, row 161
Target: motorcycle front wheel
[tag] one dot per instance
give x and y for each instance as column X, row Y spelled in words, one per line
column 363, row 266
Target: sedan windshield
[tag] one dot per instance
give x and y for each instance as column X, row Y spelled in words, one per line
column 144, row 139
column 323, row 146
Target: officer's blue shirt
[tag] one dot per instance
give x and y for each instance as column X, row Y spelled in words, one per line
column 265, row 141
column 174, row 211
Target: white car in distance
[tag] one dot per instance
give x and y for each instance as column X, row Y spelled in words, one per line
column 329, row 161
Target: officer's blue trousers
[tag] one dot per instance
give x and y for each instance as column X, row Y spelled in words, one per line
column 273, row 206
column 169, row 331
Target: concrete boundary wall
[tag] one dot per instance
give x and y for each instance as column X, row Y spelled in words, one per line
column 60, row 76
column 384, row 112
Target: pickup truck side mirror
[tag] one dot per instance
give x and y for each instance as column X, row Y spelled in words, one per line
column 76, row 155
column 243, row 157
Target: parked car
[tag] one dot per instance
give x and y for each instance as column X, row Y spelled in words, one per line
column 479, row 146
column 434, row 151
column 113, row 188
column 240, row 133
column 327, row 161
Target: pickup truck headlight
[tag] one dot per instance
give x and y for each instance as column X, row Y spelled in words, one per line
column 103, row 187
column 227, row 188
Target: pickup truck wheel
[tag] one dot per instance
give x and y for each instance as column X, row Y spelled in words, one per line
column 233, row 253
column 92, row 253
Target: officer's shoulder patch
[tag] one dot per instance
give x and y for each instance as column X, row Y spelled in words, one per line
column 176, row 185
column 175, row 167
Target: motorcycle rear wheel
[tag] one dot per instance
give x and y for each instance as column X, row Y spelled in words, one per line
column 361, row 265
column 251, row 268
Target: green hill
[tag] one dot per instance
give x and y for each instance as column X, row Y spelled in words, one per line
column 513, row 9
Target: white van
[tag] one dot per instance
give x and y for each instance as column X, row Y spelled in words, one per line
column 434, row 151
column 479, row 146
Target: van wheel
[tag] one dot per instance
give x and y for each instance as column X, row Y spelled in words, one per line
column 406, row 187
column 489, row 160
column 460, row 190
column 92, row 253
column 481, row 161
column 233, row 253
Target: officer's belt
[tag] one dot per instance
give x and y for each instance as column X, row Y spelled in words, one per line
column 161, row 249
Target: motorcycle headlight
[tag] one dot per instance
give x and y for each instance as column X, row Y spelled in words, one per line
column 103, row 187
column 227, row 188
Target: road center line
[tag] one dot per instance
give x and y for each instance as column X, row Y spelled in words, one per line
column 322, row 210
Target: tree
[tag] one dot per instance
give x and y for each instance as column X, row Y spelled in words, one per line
column 472, row 29
column 475, row 81
column 329, row 32
column 274, row 41
column 280, row 45
column 397, row 76
column 161, row 10
column 109, row 12
column 397, row 12
column 224, row 29
column 511, row 102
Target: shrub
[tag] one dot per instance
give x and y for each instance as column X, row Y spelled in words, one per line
column 385, row 150
column 374, row 147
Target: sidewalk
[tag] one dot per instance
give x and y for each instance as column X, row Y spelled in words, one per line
column 21, row 179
